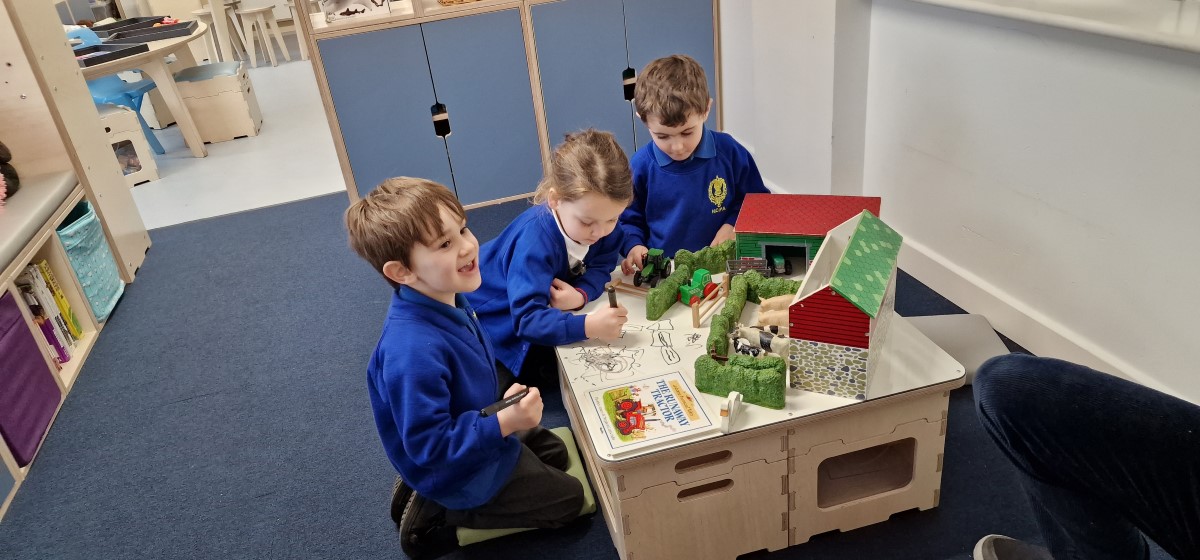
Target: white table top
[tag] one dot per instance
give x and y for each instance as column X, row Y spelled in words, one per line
column 910, row 362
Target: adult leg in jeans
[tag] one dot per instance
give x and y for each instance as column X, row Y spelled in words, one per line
column 1103, row 460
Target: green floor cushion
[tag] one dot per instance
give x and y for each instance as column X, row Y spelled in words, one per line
column 574, row 468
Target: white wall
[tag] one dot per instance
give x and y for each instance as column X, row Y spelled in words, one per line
column 777, row 68
column 851, row 54
column 1047, row 178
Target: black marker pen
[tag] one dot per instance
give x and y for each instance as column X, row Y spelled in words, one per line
column 503, row 404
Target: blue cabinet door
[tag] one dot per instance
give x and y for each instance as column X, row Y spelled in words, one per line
column 658, row 28
column 480, row 73
column 580, row 55
column 382, row 92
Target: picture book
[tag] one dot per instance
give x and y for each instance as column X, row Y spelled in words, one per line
column 650, row 411
column 68, row 314
column 45, row 313
column 50, row 308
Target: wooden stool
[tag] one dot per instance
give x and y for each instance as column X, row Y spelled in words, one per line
column 236, row 40
column 121, row 126
column 262, row 20
column 221, row 100
column 314, row 6
column 210, row 42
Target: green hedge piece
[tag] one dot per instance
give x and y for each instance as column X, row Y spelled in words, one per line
column 761, row 381
column 718, row 335
column 762, row 287
column 735, row 302
column 661, row 297
column 684, row 257
column 771, row 287
column 712, row 259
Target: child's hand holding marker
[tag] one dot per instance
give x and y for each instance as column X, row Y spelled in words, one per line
column 607, row 322
column 520, row 409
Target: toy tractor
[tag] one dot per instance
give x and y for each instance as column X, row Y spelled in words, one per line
column 779, row 265
column 701, row 286
column 629, row 416
column 655, row 265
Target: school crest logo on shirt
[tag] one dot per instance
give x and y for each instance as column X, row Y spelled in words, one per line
column 717, row 191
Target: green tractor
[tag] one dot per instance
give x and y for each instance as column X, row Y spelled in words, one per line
column 779, row 264
column 655, row 265
column 701, row 286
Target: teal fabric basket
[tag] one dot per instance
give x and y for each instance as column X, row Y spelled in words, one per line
column 87, row 249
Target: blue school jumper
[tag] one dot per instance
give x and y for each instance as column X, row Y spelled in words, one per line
column 431, row 373
column 517, row 267
column 682, row 204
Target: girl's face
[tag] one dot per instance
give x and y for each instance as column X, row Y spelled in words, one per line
column 588, row 219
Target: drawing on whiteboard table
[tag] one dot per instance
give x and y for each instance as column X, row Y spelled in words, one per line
column 669, row 355
column 664, row 325
column 662, row 340
column 607, row 363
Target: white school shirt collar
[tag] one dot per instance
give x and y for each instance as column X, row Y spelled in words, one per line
column 576, row 251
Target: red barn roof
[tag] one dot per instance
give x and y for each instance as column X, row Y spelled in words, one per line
column 800, row 214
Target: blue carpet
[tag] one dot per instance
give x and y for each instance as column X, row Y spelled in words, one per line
column 223, row 414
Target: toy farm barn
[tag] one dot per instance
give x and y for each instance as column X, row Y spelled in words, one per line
column 843, row 309
column 781, row 228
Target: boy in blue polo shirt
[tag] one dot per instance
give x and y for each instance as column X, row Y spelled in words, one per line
column 689, row 181
column 433, row 372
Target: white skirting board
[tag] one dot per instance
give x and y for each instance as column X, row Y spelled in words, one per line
column 1025, row 326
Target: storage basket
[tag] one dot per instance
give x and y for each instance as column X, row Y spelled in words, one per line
column 28, row 394
column 87, row 249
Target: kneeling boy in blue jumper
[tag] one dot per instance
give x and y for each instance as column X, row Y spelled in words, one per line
column 433, row 372
column 689, row 181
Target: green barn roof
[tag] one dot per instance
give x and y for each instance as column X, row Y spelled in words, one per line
column 866, row 267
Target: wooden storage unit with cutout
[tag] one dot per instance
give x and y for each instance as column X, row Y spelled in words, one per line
column 716, row 498
column 778, row 476
column 859, row 468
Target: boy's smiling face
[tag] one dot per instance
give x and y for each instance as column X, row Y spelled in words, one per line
column 678, row 142
column 447, row 265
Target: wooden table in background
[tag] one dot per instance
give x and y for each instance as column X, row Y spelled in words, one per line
column 151, row 62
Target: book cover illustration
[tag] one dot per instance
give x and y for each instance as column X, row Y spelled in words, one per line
column 68, row 314
column 648, row 411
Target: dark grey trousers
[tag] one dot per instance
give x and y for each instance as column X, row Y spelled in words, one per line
column 538, row 494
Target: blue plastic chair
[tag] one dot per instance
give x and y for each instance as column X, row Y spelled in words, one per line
column 111, row 89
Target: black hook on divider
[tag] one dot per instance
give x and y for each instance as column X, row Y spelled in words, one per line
column 441, row 120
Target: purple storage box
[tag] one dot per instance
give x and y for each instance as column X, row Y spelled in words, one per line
column 28, row 394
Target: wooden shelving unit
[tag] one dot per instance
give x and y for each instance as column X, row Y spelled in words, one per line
column 52, row 127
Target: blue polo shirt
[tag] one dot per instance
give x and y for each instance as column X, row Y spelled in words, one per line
column 682, row 204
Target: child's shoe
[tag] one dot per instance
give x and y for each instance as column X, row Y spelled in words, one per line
column 421, row 524
column 1000, row 547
